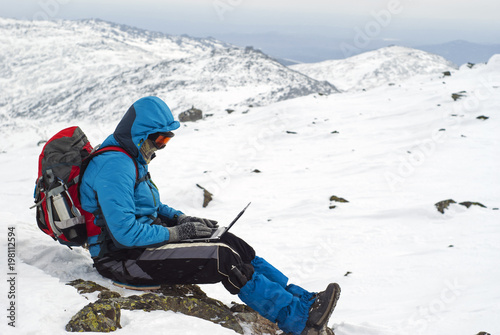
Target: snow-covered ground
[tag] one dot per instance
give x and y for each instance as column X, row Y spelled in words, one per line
column 392, row 152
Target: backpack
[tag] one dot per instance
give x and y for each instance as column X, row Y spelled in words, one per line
column 61, row 165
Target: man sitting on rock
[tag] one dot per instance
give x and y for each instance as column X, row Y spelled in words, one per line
column 141, row 238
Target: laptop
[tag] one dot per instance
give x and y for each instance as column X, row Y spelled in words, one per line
column 217, row 233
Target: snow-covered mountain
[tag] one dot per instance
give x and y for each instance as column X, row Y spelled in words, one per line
column 389, row 65
column 94, row 69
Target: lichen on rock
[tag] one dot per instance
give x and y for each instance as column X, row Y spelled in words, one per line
column 459, row 95
column 442, row 205
column 85, row 286
column 335, row 199
column 472, row 203
column 102, row 316
column 207, row 196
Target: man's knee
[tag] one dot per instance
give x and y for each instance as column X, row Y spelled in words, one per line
column 246, row 252
column 238, row 277
column 237, row 272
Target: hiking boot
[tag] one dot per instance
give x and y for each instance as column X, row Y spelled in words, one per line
column 323, row 306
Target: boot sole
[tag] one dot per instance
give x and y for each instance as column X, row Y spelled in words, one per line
column 313, row 331
column 331, row 306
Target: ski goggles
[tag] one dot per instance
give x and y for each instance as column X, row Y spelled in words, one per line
column 160, row 140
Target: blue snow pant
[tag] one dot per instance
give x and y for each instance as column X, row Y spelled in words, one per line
column 267, row 293
column 231, row 261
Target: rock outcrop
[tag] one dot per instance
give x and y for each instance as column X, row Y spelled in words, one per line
column 191, row 115
column 103, row 315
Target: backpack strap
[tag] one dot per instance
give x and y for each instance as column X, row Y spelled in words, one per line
column 104, row 237
column 115, row 148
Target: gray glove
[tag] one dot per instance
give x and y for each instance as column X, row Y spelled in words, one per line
column 207, row 222
column 188, row 230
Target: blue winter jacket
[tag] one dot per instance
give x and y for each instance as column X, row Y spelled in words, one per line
column 109, row 182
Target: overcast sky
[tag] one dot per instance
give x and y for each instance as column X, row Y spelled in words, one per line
column 245, row 15
column 412, row 21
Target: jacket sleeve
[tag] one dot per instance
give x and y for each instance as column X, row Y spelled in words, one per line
column 169, row 212
column 114, row 186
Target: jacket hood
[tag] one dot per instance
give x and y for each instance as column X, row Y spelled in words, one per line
column 146, row 116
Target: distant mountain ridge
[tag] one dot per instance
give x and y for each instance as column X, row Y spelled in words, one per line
column 316, row 46
column 371, row 69
column 461, row 52
column 92, row 69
